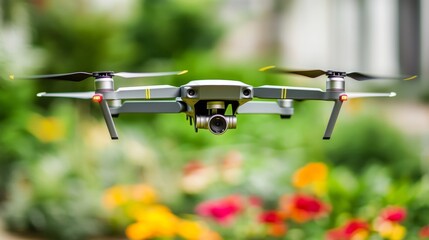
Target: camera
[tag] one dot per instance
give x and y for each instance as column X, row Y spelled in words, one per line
column 217, row 124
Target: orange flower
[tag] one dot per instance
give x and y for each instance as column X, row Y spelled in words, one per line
column 302, row 208
column 313, row 176
column 424, row 232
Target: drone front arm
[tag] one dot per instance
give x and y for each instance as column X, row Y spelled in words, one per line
column 280, row 92
column 149, row 107
column 145, row 92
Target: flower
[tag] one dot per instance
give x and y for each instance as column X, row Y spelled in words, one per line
column 231, row 169
column 302, row 208
column 155, row 221
column 393, row 214
column 354, row 229
column 391, row 230
column 46, row 129
column 221, row 210
column 312, row 176
column 197, row 177
column 190, row 229
column 424, row 232
column 274, row 223
column 388, row 223
column 119, row 195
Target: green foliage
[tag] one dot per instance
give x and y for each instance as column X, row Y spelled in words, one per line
column 168, row 29
column 367, row 141
column 52, row 181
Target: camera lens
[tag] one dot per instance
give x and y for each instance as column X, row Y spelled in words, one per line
column 218, row 124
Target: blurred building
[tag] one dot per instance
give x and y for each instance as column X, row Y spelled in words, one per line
column 377, row 36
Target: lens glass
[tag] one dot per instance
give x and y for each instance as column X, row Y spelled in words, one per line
column 218, row 124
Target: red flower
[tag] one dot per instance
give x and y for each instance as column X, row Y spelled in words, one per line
column 424, row 232
column 302, row 208
column 270, row 217
column 353, row 229
column 221, row 210
column 393, row 214
column 274, row 222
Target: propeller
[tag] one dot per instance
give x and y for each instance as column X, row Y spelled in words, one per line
column 317, row 73
column 80, row 76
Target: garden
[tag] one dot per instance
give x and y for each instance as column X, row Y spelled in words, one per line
column 62, row 177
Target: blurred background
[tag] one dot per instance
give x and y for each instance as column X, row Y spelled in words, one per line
column 61, row 177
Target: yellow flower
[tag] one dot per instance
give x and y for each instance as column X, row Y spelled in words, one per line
column 190, row 230
column 46, row 129
column 138, row 231
column 391, row 230
column 313, row 176
column 128, row 194
column 160, row 220
column 360, row 234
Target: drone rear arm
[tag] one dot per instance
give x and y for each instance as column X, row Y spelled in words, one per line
column 280, row 92
column 145, row 92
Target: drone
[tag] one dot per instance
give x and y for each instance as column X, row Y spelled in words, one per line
column 211, row 104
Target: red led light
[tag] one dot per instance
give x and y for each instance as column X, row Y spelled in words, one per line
column 97, row 98
column 343, row 97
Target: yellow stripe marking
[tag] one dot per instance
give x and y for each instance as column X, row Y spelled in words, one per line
column 182, row 72
column 410, row 78
column 266, row 68
column 147, row 93
column 283, row 94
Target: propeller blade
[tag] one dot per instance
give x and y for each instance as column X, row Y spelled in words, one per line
column 74, row 77
column 78, row 95
column 363, row 77
column 306, row 73
column 365, row 95
column 142, row 75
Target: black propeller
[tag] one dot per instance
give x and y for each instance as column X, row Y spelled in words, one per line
column 317, row 73
column 80, row 76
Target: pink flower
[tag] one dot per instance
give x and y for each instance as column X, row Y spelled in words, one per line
column 221, row 210
column 393, row 214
